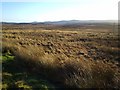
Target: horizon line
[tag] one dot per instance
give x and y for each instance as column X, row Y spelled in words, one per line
column 56, row 21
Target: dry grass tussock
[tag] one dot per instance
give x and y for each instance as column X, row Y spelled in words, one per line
column 70, row 72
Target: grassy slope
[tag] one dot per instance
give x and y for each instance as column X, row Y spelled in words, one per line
column 15, row 76
column 71, row 58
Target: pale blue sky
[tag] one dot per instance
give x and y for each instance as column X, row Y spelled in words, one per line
column 52, row 10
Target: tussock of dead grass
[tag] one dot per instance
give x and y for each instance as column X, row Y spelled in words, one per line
column 60, row 56
column 71, row 73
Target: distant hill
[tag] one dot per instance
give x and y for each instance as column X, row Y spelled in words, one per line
column 66, row 22
column 70, row 22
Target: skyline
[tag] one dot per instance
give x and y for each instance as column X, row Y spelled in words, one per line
column 59, row 10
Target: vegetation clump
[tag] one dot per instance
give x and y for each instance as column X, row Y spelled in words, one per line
column 69, row 58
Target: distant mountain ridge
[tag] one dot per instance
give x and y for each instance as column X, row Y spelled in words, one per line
column 63, row 22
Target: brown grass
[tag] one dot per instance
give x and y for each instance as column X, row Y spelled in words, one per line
column 65, row 57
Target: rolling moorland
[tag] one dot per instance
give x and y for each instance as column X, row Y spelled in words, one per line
column 65, row 54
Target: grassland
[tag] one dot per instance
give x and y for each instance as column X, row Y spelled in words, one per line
column 60, row 58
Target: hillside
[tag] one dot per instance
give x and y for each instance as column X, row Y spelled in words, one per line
column 60, row 56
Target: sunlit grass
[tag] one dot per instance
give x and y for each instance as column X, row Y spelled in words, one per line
column 68, row 58
column 17, row 78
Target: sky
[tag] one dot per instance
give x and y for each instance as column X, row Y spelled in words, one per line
column 56, row 10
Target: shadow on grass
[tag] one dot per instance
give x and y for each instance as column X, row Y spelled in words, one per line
column 17, row 76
